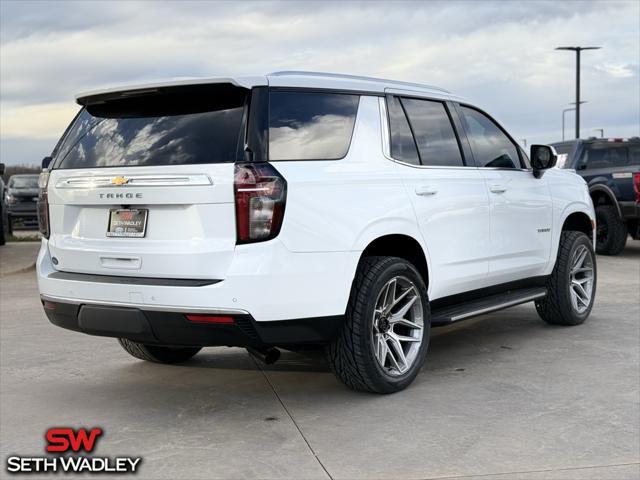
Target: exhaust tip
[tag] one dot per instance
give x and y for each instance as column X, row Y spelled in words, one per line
column 268, row 356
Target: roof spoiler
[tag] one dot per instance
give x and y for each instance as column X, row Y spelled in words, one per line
column 107, row 94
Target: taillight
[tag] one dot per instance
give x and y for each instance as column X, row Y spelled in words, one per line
column 636, row 185
column 43, row 204
column 260, row 194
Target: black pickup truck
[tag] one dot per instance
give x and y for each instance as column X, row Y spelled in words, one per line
column 611, row 168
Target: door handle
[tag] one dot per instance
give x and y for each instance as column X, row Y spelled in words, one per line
column 498, row 188
column 426, row 190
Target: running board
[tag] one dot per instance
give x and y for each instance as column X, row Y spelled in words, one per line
column 448, row 315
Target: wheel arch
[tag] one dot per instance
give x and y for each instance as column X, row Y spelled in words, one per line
column 400, row 245
column 573, row 217
column 579, row 222
column 602, row 195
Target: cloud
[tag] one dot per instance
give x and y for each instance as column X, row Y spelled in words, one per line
column 499, row 54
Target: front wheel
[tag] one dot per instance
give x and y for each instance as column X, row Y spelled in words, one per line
column 158, row 354
column 385, row 337
column 571, row 288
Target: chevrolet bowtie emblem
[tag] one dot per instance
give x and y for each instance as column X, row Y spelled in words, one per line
column 119, row 181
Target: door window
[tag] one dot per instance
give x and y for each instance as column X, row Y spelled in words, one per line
column 491, row 146
column 403, row 147
column 433, row 133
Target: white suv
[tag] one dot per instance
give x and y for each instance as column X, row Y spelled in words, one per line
column 299, row 209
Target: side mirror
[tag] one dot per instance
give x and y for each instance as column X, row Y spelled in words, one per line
column 45, row 162
column 543, row 157
column 1, row 168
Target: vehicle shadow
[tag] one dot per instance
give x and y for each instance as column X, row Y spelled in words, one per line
column 451, row 348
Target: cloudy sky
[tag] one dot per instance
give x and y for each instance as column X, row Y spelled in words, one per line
column 497, row 53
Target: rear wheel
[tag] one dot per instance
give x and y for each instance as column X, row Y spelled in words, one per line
column 611, row 231
column 384, row 340
column 4, row 227
column 158, row 354
column 571, row 288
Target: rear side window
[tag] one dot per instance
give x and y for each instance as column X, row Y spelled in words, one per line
column 197, row 125
column 434, row 134
column 491, row 146
column 310, row 125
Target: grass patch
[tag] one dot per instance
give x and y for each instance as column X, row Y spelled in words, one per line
column 24, row 238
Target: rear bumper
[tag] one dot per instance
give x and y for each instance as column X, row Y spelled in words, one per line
column 264, row 280
column 22, row 210
column 157, row 327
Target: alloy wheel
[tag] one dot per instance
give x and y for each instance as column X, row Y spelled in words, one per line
column 581, row 279
column 398, row 324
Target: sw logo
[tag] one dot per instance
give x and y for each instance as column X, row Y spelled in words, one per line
column 67, row 442
column 65, row 439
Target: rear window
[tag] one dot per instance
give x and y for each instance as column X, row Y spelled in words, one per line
column 606, row 155
column 30, row 181
column 310, row 125
column 176, row 127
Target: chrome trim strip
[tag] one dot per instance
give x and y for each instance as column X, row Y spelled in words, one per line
column 499, row 306
column 140, row 306
column 140, row 180
column 384, row 125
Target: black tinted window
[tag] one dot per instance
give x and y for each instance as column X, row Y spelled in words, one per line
column 171, row 129
column 27, row 181
column 608, row 156
column 491, row 147
column 433, row 132
column 403, row 147
column 310, row 126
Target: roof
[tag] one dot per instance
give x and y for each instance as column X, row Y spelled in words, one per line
column 289, row 79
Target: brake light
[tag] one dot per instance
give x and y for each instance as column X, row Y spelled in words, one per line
column 636, row 185
column 260, row 196
column 43, row 204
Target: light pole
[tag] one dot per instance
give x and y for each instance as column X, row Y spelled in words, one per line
column 565, row 111
column 577, row 50
column 601, row 130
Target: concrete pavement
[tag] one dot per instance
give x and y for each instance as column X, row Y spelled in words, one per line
column 17, row 257
column 501, row 397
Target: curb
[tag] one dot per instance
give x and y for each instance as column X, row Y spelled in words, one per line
column 28, row 268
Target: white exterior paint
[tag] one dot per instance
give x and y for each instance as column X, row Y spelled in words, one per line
column 477, row 227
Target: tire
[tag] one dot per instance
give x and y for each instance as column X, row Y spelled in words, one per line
column 352, row 355
column 4, row 227
column 158, row 354
column 611, row 231
column 558, row 307
column 9, row 225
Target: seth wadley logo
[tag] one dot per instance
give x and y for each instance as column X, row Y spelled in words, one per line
column 67, row 441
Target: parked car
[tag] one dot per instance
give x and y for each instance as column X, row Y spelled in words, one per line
column 611, row 168
column 21, row 198
column 4, row 218
column 299, row 209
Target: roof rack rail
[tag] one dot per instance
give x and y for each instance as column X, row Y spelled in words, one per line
column 357, row 77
